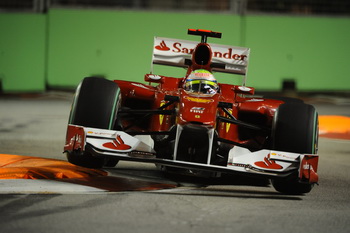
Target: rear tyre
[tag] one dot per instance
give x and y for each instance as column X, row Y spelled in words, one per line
column 295, row 129
column 95, row 105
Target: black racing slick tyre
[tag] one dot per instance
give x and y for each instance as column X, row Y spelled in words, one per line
column 295, row 129
column 95, row 105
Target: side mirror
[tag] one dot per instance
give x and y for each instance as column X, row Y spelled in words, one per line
column 153, row 78
column 243, row 90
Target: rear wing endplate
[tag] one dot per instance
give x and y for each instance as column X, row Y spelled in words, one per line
column 174, row 52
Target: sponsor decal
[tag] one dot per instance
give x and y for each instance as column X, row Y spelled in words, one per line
column 98, row 133
column 162, row 46
column 308, row 173
column 202, row 74
column 78, row 139
column 229, row 55
column 117, row 144
column 177, row 47
column 308, row 169
column 75, row 143
column 174, row 52
column 197, row 110
column 75, row 138
column 199, row 100
column 283, row 156
column 269, row 164
column 308, row 166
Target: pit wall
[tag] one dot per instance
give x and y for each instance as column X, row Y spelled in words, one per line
column 58, row 49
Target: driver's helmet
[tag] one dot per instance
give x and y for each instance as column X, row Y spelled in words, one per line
column 202, row 82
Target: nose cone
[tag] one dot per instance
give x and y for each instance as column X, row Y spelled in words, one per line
column 198, row 109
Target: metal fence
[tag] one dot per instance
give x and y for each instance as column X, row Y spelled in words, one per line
column 300, row 7
column 24, row 5
column 294, row 7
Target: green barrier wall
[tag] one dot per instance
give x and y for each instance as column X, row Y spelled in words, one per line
column 63, row 46
column 313, row 51
column 22, row 52
column 119, row 44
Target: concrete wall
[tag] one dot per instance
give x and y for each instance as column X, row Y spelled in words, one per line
column 63, row 46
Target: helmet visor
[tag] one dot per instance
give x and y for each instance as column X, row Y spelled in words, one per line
column 201, row 86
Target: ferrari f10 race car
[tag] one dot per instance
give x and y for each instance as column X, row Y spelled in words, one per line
column 195, row 125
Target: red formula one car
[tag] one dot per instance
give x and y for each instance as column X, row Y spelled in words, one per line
column 194, row 124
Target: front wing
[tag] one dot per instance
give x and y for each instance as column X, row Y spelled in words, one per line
column 122, row 146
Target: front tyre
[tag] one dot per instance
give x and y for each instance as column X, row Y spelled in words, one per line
column 295, row 129
column 95, row 105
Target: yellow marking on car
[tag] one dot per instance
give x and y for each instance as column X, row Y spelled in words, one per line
column 199, row 100
column 228, row 124
column 161, row 117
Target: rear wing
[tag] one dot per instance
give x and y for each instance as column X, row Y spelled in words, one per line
column 174, row 52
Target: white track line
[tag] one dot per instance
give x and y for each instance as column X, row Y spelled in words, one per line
column 27, row 186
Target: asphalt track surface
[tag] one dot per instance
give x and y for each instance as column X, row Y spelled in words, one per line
column 141, row 199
